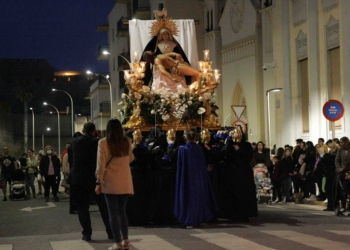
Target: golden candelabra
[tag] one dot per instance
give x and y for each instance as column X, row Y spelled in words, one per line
column 133, row 76
column 209, row 77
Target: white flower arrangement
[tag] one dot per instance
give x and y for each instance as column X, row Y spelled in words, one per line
column 165, row 117
column 206, row 95
column 201, row 111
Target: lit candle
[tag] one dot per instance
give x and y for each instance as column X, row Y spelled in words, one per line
column 216, row 71
column 143, row 66
column 205, row 72
column 135, row 56
column 200, row 65
column 206, row 55
column 217, row 76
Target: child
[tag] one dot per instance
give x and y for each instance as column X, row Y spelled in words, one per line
column 276, row 180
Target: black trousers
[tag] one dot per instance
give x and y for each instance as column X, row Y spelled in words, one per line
column 51, row 182
column 82, row 198
column 277, row 190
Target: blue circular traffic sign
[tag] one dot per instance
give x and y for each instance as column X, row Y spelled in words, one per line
column 333, row 110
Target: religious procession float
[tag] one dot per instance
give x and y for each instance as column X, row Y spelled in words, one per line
column 164, row 88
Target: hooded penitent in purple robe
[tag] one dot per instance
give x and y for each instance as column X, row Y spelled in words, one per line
column 194, row 199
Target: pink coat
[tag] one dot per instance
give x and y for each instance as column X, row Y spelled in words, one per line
column 116, row 177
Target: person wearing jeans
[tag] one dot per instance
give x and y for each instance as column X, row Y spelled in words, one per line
column 31, row 168
column 114, row 180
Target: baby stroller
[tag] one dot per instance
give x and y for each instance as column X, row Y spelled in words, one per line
column 18, row 189
column 262, row 183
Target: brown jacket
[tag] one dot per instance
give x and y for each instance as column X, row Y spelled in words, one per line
column 342, row 160
column 116, row 177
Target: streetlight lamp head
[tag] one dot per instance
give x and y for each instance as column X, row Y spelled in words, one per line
column 88, row 72
column 276, row 90
column 107, row 76
column 273, row 90
column 31, row 108
column 54, row 89
column 48, row 129
column 105, row 52
column 45, row 103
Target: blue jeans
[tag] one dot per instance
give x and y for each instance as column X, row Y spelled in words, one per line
column 30, row 177
column 117, row 216
column 287, row 184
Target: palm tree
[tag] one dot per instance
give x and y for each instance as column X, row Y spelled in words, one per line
column 24, row 91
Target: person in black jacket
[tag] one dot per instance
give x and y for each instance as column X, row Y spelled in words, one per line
column 50, row 168
column 328, row 168
column 83, row 180
column 287, row 171
column 238, row 201
column 72, row 198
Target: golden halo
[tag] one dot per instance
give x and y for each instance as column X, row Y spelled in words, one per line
column 164, row 23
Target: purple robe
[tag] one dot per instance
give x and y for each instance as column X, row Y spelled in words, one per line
column 194, row 199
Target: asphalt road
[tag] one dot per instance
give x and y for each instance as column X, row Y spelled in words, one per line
column 36, row 224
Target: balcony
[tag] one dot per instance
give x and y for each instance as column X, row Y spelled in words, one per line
column 100, row 55
column 141, row 9
column 105, row 107
column 123, row 27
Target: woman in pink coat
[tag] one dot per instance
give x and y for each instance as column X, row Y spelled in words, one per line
column 114, row 179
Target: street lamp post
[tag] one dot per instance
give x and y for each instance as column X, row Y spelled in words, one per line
column 71, row 102
column 42, row 139
column 268, row 113
column 33, row 127
column 59, row 132
column 110, row 88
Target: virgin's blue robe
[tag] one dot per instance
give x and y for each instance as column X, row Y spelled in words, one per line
column 194, row 201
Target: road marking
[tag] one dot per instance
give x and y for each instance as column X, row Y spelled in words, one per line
column 71, row 245
column 6, row 247
column 340, row 232
column 308, row 240
column 230, row 242
column 30, row 209
column 275, row 206
column 151, row 242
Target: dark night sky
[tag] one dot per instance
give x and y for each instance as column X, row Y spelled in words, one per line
column 61, row 31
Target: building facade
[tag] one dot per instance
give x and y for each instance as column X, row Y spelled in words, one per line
column 299, row 46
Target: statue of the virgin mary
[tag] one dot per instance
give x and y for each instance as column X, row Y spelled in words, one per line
column 163, row 32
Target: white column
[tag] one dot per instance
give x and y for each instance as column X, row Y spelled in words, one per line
column 315, row 107
column 344, row 33
column 281, row 53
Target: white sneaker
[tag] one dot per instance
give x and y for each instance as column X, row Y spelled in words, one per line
column 325, row 201
column 275, row 201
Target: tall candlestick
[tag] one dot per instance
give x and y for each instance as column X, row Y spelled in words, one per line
column 135, row 56
column 206, row 55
